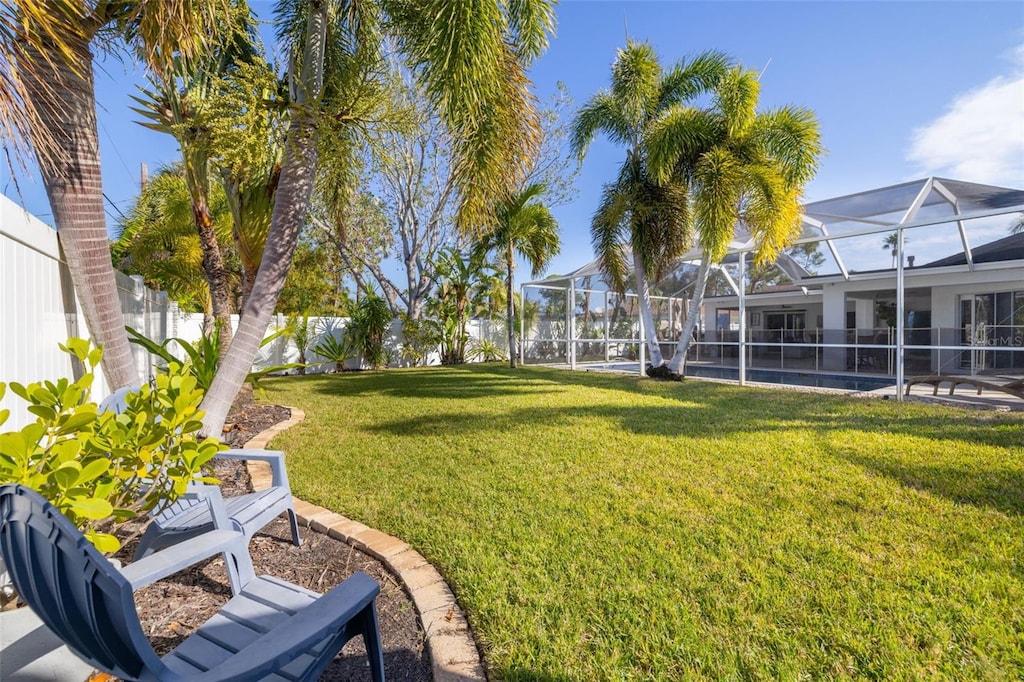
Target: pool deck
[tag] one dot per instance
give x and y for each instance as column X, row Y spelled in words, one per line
column 964, row 397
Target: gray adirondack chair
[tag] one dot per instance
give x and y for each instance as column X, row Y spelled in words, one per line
column 270, row 630
column 189, row 517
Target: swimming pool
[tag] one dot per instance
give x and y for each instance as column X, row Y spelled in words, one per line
column 844, row 382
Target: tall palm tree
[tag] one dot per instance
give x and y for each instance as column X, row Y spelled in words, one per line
column 472, row 57
column 180, row 104
column 49, row 104
column 739, row 167
column 523, row 225
column 891, row 243
column 637, row 217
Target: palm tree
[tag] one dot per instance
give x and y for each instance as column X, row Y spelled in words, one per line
column 637, row 217
column 526, row 227
column 892, row 245
column 472, row 58
column 1018, row 225
column 179, row 104
column 739, row 167
column 49, row 104
column 158, row 240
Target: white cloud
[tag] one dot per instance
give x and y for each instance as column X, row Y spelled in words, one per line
column 980, row 138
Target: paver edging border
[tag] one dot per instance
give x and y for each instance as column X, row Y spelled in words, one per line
column 453, row 653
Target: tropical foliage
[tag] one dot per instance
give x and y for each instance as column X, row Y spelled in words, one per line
column 368, row 326
column 737, row 166
column 48, row 102
column 471, row 59
column 641, row 219
column 463, row 282
column 524, row 226
column 100, row 467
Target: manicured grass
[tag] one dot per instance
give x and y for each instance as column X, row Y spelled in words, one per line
column 605, row 528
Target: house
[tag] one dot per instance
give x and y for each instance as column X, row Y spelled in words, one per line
column 920, row 277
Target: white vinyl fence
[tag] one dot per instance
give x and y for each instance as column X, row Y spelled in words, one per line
column 39, row 310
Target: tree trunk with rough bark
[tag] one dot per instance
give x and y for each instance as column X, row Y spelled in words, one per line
column 213, row 269
column 66, row 104
column 298, row 171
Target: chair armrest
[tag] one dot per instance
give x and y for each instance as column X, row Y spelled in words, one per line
column 173, row 559
column 327, row 615
column 275, row 458
column 182, row 555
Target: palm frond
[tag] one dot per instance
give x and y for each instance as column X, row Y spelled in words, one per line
column 790, row 136
column 636, row 82
column 691, row 78
column 678, row 137
column 599, row 115
column 736, row 98
column 718, row 189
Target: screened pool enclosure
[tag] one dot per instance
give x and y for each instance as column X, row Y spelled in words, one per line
column 924, row 277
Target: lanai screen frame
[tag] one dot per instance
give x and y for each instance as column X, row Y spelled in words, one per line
column 859, row 214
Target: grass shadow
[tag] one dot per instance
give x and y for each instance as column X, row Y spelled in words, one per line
column 998, row 488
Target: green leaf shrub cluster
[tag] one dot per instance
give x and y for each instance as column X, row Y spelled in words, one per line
column 204, row 355
column 102, row 468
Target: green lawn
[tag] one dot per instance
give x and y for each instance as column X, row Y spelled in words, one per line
column 605, row 528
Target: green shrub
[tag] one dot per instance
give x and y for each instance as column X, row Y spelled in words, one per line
column 486, row 351
column 102, row 468
column 333, row 350
column 204, row 355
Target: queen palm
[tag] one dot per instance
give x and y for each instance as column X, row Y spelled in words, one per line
column 637, row 217
column 471, row 58
column 523, row 225
column 739, row 167
column 48, row 104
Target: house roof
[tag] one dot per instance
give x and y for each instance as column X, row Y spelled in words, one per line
column 1007, row 248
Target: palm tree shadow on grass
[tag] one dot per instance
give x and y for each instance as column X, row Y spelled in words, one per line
column 997, row 488
column 428, row 384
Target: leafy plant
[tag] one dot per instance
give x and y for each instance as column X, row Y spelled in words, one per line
column 419, row 338
column 486, row 351
column 204, row 355
column 98, row 468
column 299, row 330
column 370, row 321
column 334, row 350
column 462, row 284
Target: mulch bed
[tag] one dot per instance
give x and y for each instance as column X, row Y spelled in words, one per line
column 171, row 609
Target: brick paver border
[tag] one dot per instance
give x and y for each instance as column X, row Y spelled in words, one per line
column 453, row 652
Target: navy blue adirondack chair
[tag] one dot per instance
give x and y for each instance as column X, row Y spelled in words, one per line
column 270, row 630
column 189, row 518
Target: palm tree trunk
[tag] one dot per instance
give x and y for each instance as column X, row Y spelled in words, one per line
column 66, row 102
column 675, row 365
column 644, row 294
column 510, row 309
column 296, row 186
column 214, row 270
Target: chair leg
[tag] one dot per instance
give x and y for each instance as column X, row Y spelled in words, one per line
column 148, row 543
column 371, row 639
column 238, row 563
column 296, row 540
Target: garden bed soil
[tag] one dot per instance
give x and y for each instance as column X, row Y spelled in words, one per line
column 173, row 608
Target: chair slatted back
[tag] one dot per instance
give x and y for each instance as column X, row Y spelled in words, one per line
column 76, row 592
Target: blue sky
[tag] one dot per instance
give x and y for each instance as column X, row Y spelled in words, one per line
column 901, row 89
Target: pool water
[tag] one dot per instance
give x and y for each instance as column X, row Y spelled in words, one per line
column 839, row 381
